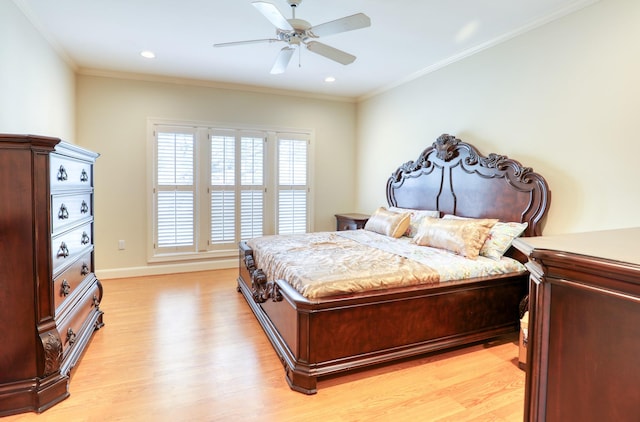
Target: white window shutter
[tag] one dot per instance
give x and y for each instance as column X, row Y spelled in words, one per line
column 175, row 219
column 175, row 190
column 223, row 222
column 251, row 217
column 252, row 186
column 228, row 148
column 223, row 179
column 292, row 185
column 213, row 187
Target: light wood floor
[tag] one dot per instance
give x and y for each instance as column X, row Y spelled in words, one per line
column 186, row 347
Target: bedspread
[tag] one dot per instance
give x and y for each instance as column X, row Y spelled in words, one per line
column 326, row 264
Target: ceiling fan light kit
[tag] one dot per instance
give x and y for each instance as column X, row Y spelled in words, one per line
column 296, row 32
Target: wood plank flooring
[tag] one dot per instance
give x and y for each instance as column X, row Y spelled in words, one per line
column 186, row 347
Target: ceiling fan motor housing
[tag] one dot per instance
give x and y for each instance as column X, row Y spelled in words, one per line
column 299, row 33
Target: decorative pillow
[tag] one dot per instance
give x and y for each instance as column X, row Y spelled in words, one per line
column 500, row 237
column 389, row 223
column 464, row 237
column 416, row 218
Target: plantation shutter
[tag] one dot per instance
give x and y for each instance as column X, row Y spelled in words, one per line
column 252, row 187
column 237, row 184
column 211, row 187
column 222, row 189
column 292, row 185
column 175, row 190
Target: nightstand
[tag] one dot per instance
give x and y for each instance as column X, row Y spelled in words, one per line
column 351, row 221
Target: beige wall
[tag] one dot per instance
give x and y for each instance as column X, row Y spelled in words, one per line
column 563, row 99
column 112, row 120
column 567, row 89
column 37, row 87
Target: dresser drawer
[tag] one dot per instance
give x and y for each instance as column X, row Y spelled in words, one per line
column 65, row 285
column 73, row 325
column 67, row 172
column 66, row 247
column 69, row 209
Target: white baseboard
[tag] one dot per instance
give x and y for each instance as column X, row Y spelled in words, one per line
column 158, row 269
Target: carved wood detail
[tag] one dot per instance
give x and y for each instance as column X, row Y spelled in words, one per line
column 261, row 289
column 52, row 346
column 454, row 163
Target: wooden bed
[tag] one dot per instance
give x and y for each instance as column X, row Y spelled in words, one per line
column 319, row 337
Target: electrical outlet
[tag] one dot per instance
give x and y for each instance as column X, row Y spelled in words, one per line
column 121, row 244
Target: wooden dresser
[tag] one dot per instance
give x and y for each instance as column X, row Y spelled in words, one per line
column 584, row 326
column 49, row 294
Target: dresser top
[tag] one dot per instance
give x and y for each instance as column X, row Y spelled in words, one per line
column 622, row 245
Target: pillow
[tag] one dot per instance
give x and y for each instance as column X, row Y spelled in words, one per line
column 463, row 237
column 416, row 217
column 389, row 223
column 500, row 237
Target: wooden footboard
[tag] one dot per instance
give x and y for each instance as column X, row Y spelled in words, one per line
column 323, row 337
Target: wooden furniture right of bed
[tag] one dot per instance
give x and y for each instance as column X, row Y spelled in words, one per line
column 584, row 326
column 319, row 337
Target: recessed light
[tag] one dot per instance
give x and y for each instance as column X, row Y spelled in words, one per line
column 148, row 54
column 467, row 31
column 329, row 79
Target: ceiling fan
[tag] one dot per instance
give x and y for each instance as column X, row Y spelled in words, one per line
column 297, row 32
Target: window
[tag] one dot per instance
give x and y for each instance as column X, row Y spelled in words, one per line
column 292, row 185
column 252, row 187
column 213, row 187
column 230, row 181
column 175, row 190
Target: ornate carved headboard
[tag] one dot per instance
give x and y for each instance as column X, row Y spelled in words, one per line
column 451, row 176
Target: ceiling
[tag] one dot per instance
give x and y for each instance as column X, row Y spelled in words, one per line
column 407, row 38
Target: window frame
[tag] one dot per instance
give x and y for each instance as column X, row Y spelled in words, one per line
column 202, row 249
column 278, row 188
column 157, row 188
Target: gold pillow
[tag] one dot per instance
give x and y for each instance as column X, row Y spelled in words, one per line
column 389, row 223
column 415, row 218
column 464, row 237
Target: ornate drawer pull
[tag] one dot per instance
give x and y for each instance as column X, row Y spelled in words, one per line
column 96, row 302
column 84, row 208
column 84, row 176
column 62, row 174
column 63, row 212
column 63, row 250
column 65, row 288
column 71, row 337
column 85, row 269
column 85, row 238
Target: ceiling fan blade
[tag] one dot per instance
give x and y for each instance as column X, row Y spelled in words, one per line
column 273, row 15
column 230, row 44
column 282, row 60
column 348, row 23
column 330, row 52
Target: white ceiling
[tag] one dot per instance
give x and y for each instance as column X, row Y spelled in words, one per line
column 407, row 38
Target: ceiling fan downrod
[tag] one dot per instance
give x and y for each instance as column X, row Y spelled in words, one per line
column 294, row 4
